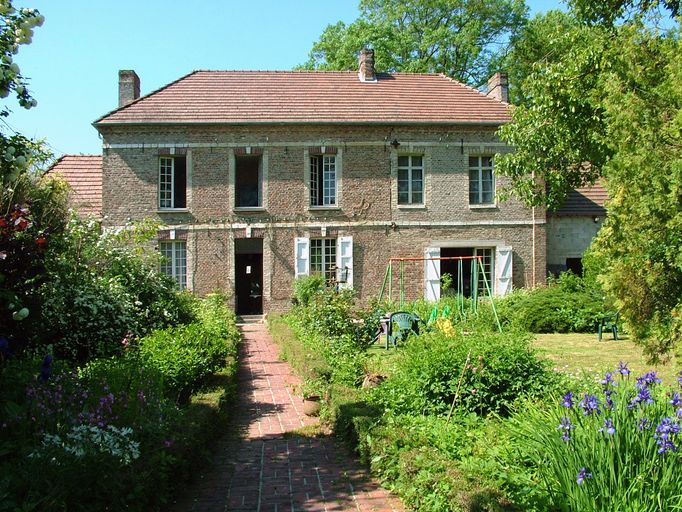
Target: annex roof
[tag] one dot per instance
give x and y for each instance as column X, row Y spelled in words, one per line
column 83, row 173
column 297, row 97
column 587, row 201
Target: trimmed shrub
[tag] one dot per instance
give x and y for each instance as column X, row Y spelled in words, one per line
column 426, row 376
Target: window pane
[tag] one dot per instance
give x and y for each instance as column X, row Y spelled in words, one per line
column 314, row 181
column 315, row 256
column 165, row 182
column 417, row 197
column 330, row 258
column 486, row 161
column 180, row 264
column 329, row 180
column 248, row 181
column 403, row 161
column 416, row 161
column 473, row 161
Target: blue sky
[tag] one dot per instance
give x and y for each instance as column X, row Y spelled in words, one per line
column 75, row 56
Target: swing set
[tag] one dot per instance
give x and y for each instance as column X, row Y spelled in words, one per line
column 478, row 278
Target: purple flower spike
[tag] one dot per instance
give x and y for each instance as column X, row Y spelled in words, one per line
column 643, row 397
column 623, row 368
column 665, row 431
column 583, row 475
column 647, row 380
column 679, row 379
column 608, row 380
column 566, row 426
column 568, row 400
column 676, row 400
column 644, row 424
column 589, row 405
column 608, row 427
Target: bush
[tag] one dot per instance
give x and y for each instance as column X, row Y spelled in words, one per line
column 185, row 355
column 611, row 449
column 567, row 304
column 425, row 379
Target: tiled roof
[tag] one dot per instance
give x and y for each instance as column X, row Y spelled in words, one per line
column 246, row 97
column 584, row 201
column 84, row 175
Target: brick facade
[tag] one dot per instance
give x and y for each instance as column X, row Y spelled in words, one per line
column 366, row 207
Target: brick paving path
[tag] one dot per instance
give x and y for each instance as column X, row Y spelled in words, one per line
column 271, row 468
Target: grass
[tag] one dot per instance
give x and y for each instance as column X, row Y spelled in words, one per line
column 576, row 353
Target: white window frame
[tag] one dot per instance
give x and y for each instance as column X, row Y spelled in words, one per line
column 327, row 258
column 166, row 179
column 342, row 264
column 174, row 262
column 327, row 165
column 410, row 168
column 489, row 261
column 478, row 169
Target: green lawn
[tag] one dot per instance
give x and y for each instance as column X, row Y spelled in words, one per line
column 576, row 353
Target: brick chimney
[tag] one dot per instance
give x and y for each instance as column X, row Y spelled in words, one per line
column 128, row 86
column 366, row 71
column 498, row 87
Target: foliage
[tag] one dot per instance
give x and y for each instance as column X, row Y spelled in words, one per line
column 305, row 288
column 185, row 355
column 104, row 436
column 606, row 105
column 460, row 38
column 425, row 380
column 613, row 449
column 566, row 304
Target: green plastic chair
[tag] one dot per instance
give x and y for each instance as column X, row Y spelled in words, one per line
column 608, row 322
column 400, row 325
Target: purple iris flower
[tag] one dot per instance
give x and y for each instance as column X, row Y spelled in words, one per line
column 589, row 404
column 583, row 475
column 608, row 380
column 644, row 424
column 566, row 426
column 643, row 397
column 568, row 400
column 623, row 368
column 647, row 380
column 676, row 400
column 665, row 431
column 46, row 368
column 608, row 427
column 679, row 379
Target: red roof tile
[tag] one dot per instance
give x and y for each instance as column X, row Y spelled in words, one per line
column 584, row 201
column 246, row 97
column 83, row 173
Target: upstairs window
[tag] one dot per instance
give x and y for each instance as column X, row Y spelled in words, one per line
column 248, row 182
column 410, row 180
column 323, row 180
column 172, row 182
column 174, row 261
column 481, row 180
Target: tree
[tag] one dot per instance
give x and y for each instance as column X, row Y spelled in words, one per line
column 608, row 105
column 463, row 39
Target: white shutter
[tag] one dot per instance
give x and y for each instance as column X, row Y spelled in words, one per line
column 432, row 274
column 503, row 270
column 302, row 255
column 344, row 260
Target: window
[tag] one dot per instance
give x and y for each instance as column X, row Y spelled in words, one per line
column 174, row 261
column 486, row 256
column 323, row 257
column 410, row 180
column 248, row 182
column 323, row 180
column 481, row 180
column 172, row 182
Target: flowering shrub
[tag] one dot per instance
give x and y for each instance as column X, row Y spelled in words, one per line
column 615, row 448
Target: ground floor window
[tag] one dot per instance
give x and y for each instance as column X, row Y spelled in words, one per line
column 174, row 261
column 462, row 264
column 323, row 257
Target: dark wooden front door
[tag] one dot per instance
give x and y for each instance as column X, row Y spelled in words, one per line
column 249, row 283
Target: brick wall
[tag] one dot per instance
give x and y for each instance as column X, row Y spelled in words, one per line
column 367, row 207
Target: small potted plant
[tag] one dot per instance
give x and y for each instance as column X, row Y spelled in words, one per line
column 312, row 397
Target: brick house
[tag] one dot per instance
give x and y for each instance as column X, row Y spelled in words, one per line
column 261, row 177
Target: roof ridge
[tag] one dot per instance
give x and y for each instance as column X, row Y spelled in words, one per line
column 485, row 95
column 145, row 96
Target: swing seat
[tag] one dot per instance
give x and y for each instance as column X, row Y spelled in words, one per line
column 399, row 326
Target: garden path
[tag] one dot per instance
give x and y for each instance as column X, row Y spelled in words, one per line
column 271, row 467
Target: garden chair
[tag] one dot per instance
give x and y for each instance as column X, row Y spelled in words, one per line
column 400, row 325
column 608, row 322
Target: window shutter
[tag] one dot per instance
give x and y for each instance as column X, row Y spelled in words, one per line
column 302, row 255
column 503, row 270
column 432, row 274
column 344, row 260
